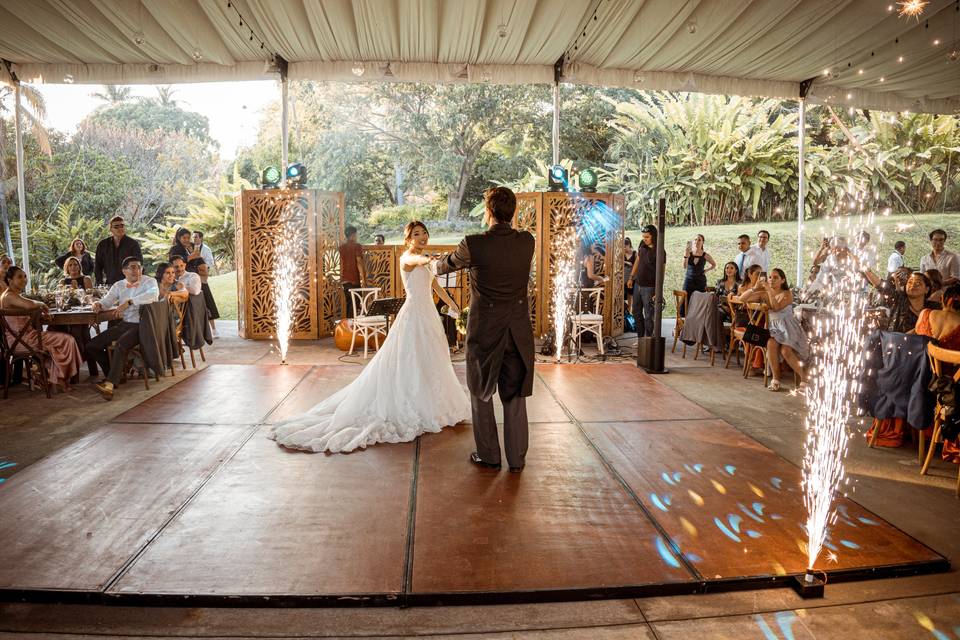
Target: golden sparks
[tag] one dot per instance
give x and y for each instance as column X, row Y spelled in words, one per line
column 912, row 8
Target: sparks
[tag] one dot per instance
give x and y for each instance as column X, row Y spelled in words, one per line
column 837, row 347
column 564, row 279
column 912, row 8
column 288, row 251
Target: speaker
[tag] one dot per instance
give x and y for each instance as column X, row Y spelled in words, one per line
column 650, row 352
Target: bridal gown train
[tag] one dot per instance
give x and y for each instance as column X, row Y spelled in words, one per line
column 408, row 388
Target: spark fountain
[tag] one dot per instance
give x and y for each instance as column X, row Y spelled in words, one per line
column 564, row 279
column 837, row 345
column 287, row 249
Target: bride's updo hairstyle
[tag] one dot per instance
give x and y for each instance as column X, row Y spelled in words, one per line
column 410, row 228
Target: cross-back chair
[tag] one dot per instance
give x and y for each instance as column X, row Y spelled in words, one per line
column 941, row 360
column 15, row 346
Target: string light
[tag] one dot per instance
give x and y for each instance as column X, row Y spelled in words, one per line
column 242, row 22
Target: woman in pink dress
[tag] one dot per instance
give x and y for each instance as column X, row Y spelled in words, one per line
column 65, row 359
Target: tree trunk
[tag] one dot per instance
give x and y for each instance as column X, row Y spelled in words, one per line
column 7, row 240
column 455, row 197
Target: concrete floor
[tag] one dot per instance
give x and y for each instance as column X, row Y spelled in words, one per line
column 885, row 481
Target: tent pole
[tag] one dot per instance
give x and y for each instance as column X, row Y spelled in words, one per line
column 556, row 123
column 21, row 188
column 284, row 128
column 802, row 186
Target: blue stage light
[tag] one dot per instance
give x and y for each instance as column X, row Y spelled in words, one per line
column 296, row 175
column 557, row 178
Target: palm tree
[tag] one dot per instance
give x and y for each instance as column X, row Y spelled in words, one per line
column 165, row 96
column 34, row 111
column 113, row 94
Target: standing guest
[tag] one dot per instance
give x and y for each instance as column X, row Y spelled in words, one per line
column 629, row 257
column 65, row 359
column 895, row 261
column 941, row 259
column 74, row 276
column 865, row 251
column 643, row 280
column 379, row 239
column 204, row 271
column 183, row 246
column 728, row 285
column 761, row 253
column 124, row 299
column 113, row 251
column 78, row 250
column 695, row 260
column 746, row 257
column 352, row 272
column 5, row 263
column 591, row 272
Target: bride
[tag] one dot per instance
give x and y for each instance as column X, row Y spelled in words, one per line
column 408, row 388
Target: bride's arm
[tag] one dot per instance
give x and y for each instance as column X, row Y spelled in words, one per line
column 410, row 261
column 447, row 300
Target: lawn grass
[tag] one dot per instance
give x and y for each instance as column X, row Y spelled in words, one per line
column 721, row 243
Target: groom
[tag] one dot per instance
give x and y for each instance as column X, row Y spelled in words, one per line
column 499, row 335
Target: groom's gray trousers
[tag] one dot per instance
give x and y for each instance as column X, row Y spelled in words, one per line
column 515, row 436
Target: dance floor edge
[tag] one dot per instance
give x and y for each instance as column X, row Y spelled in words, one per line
column 612, row 505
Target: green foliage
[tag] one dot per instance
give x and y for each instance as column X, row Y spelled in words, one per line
column 153, row 115
column 389, row 219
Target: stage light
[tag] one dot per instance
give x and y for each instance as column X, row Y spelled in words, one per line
column 270, row 178
column 296, row 175
column 557, row 178
column 588, row 180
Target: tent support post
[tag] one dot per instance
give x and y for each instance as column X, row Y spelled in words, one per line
column 284, row 128
column 802, row 186
column 556, row 123
column 21, row 188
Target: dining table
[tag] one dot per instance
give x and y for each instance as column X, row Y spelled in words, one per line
column 77, row 321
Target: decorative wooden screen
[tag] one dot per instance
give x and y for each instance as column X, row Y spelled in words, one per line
column 317, row 219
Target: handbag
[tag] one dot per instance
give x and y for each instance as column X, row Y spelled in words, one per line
column 756, row 335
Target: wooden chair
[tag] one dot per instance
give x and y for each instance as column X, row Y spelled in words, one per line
column 757, row 314
column 736, row 334
column 14, row 347
column 179, row 307
column 680, row 300
column 940, row 360
column 133, row 357
column 590, row 321
column 365, row 325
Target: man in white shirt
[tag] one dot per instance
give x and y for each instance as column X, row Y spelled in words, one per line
column 205, row 253
column 760, row 251
column 125, row 299
column 895, row 261
column 189, row 280
column 944, row 261
column 744, row 259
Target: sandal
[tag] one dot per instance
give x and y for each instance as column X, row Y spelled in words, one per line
column 774, row 385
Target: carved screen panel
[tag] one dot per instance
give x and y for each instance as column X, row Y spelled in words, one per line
column 380, row 264
column 241, row 260
column 617, row 321
column 266, row 215
column 528, row 215
column 329, row 234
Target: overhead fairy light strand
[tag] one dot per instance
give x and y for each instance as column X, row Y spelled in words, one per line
column 243, row 22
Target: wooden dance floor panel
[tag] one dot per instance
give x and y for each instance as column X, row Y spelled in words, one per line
column 629, row 489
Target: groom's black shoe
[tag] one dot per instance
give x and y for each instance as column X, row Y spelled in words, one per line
column 477, row 460
column 516, row 469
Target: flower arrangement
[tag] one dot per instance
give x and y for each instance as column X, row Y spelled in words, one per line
column 462, row 321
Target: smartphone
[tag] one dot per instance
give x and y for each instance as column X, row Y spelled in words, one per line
column 763, row 276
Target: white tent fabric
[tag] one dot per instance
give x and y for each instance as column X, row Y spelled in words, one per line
column 745, row 47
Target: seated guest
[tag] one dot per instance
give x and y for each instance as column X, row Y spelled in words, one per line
column 936, row 285
column 124, row 299
column 78, row 250
column 906, row 302
column 183, row 246
column 203, row 270
column 751, row 281
column 5, row 263
column 168, row 287
column 787, row 337
column 944, row 327
column 113, row 251
column 728, row 285
column 65, row 359
column 74, row 276
column 187, row 279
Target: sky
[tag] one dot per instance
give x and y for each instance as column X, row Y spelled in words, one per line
column 233, row 108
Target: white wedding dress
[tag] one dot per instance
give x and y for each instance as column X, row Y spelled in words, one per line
column 408, row 388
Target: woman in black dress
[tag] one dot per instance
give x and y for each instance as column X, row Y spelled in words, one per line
column 629, row 257
column 74, row 276
column 78, row 250
column 695, row 261
column 728, row 285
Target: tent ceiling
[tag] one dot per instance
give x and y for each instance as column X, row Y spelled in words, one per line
column 747, row 47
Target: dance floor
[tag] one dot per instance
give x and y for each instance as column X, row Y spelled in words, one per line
column 630, row 489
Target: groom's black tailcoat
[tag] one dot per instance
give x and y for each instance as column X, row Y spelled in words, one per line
column 499, row 262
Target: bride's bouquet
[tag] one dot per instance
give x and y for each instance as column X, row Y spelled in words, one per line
column 462, row 321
